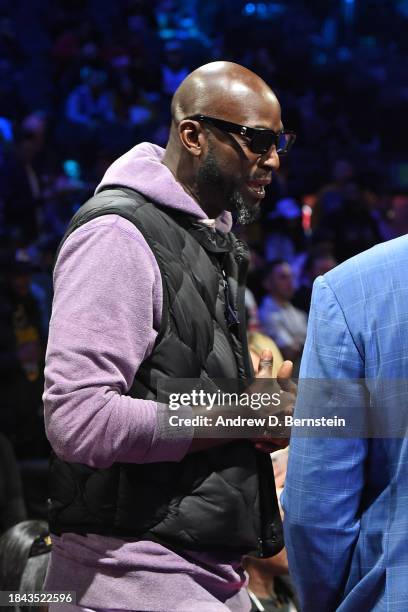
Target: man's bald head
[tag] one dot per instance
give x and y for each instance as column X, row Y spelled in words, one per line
column 219, row 169
column 221, row 89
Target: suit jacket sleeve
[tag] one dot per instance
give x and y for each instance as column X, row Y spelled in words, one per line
column 325, row 475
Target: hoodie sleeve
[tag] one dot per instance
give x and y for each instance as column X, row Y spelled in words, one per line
column 106, row 313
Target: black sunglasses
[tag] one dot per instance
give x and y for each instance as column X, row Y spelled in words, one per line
column 260, row 139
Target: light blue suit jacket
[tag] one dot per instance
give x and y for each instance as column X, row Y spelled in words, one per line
column 346, row 500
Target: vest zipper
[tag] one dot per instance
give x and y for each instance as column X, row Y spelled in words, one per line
column 230, row 314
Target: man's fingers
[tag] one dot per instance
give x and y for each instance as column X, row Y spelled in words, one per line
column 284, row 377
column 266, row 447
column 286, row 369
column 272, row 444
column 265, row 365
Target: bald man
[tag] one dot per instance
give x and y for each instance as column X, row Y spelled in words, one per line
column 149, row 286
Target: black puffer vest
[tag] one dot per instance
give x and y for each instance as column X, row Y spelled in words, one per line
column 220, row 498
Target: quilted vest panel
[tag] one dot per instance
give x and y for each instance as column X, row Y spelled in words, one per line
column 203, row 274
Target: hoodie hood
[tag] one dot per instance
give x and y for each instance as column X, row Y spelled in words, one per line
column 141, row 169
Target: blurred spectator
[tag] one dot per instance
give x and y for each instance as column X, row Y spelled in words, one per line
column 279, row 318
column 390, row 212
column 140, row 109
column 141, row 15
column 353, row 227
column 21, row 359
column 332, row 196
column 316, row 264
column 91, row 103
column 144, row 68
column 24, row 556
column 174, row 69
column 262, row 63
column 400, row 214
column 251, row 309
column 20, row 184
column 178, row 19
column 12, row 505
column 25, row 317
column 256, row 271
column 9, row 46
column 285, row 234
column 63, row 195
column 41, row 281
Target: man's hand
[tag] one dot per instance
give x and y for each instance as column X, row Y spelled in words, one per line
column 288, row 390
column 267, row 440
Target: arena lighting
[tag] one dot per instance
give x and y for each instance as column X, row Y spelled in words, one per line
column 402, row 8
column 250, row 8
column 72, row 168
column 349, row 8
column 263, row 10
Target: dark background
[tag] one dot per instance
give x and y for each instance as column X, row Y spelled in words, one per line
column 82, row 81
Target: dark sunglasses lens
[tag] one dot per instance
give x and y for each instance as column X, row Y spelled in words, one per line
column 285, row 142
column 261, row 143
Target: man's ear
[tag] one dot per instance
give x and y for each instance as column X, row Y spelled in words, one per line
column 192, row 136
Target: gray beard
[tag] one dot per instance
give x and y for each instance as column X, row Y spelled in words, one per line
column 209, row 174
column 245, row 214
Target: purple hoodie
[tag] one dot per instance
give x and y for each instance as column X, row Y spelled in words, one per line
column 106, row 314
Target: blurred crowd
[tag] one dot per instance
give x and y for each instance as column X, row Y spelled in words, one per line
column 82, row 81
